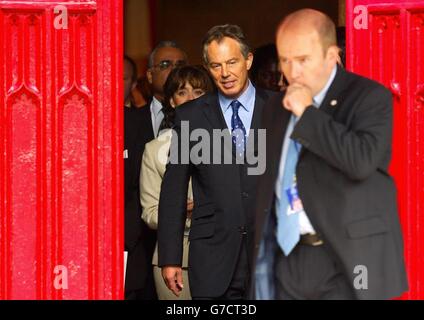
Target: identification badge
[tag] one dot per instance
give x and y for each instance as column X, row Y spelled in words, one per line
column 295, row 204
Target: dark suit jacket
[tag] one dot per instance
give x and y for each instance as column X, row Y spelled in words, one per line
column 223, row 202
column 343, row 181
column 139, row 239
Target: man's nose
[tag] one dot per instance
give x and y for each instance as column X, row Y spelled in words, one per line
column 295, row 71
column 190, row 96
column 224, row 71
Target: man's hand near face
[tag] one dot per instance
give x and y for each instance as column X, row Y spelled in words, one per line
column 298, row 97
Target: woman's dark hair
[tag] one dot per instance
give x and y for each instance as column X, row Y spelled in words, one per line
column 196, row 76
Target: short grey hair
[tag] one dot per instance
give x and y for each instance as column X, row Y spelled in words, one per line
column 217, row 33
column 163, row 44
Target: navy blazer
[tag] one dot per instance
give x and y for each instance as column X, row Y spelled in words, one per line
column 343, row 180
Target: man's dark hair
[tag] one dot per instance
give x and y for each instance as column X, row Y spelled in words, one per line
column 218, row 33
column 133, row 68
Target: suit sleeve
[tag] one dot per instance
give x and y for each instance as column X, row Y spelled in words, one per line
column 356, row 150
column 173, row 204
column 133, row 222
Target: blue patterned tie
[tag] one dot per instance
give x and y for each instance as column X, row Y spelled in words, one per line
column 238, row 132
column 288, row 232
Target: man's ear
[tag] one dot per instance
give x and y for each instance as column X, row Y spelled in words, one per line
column 149, row 76
column 207, row 67
column 249, row 60
column 333, row 53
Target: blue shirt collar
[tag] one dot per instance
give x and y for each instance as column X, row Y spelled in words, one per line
column 244, row 99
column 319, row 97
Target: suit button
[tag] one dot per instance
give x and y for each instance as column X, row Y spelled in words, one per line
column 245, row 195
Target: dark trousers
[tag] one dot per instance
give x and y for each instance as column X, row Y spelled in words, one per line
column 148, row 292
column 239, row 285
column 310, row 273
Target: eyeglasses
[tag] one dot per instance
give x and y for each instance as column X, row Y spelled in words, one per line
column 165, row 64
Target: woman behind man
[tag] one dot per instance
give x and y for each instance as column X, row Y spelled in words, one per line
column 183, row 84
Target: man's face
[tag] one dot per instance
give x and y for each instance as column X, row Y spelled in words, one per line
column 128, row 82
column 228, row 67
column 269, row 76
column 302, row 59
column 164, row 61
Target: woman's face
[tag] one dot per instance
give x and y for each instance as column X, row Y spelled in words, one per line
column 185, row 94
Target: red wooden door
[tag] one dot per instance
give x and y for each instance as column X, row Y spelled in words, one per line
column 385, row 41
column 61, row 225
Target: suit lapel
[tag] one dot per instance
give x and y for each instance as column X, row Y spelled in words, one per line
column 331, row 99
column 213, row 112
column 215, row 117
column 146, row 128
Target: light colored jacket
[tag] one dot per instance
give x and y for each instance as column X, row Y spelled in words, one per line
column 153, row 167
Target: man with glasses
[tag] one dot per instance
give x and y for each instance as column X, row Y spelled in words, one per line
column 140, row 240
column 166, row 56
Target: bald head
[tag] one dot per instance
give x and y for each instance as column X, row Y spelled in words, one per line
column 307, row 50
column 309, row 20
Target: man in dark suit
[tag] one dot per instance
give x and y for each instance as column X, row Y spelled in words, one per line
column 221, row 235
column 164, row 57
column 141, row 125
column 327, row 220
column 139, row 239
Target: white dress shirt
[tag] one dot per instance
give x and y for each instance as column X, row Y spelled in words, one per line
column 156, row 114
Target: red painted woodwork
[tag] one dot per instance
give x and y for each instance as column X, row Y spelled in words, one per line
column 61, row 198
column 391, row 51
